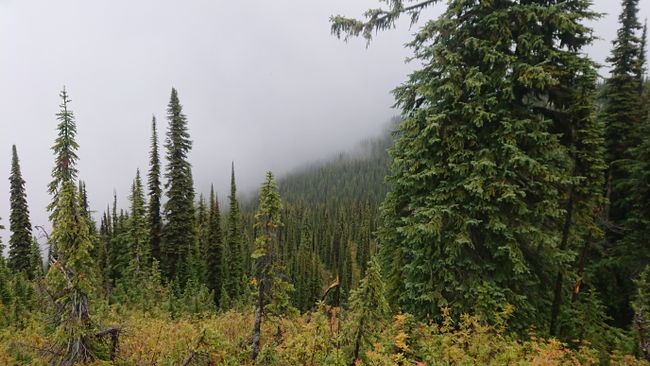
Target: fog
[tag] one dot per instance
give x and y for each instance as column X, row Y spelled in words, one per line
column 263, row 84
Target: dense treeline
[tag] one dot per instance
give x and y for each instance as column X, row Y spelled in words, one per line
column 515, row 212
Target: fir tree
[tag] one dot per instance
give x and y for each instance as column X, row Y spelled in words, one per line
column 69, row 279
column 481, row 169
column 622, row 112
column 368, row 310
column 5, row 294
column 178, row 233
column 235, row 264
column 20, row 241
column 65, row 152
column 271, row 288
column 214, row 250
column 103, row 252
column 197, row 262
column 139, row 237
column 624, row 116
column 36, row 259
column 65, row 164
column 155, row 220
column 70, row 273
column 85, row 209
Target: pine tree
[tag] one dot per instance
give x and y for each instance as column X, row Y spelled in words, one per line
column 214, row 250
column 20, row 241
column 36, row 259
column 622, row 112
column 481, row 167
column 103, row 250
column 69, row 279
column 196, row 263
column 70, row 273
column 85, row 209
column 271, row 288
column 5, row 293
column 121, row 254
column 155, row 220
column 235, row 262
column 368, row 310
column 624, row 116
column 65, row 152
column 139, row 237
column 65, row 164
column 178, row 233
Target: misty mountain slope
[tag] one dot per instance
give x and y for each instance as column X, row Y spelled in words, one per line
column 353, row 176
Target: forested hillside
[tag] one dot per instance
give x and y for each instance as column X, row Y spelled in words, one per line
column 330, row 214
column 502, row 220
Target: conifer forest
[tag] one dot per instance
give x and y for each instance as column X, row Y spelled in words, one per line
column 502, row 218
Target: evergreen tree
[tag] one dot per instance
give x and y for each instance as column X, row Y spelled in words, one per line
column 70, row 273
column 481, row 168
column 214, row 250
column 36, row 258
column 69, row 279
column 139, row 237
column 622, row 112
column 178, row 233
column 271, row 288
column 5, row 294
column 121, row 254
column 235, row 275
column 196, row 264
column 65, row 164
column 368, row 310
column 155, row 220
column 85, row 209
column 103, row 250
column 20, row 241
column 624, row 116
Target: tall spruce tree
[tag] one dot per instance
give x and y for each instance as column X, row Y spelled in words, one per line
column 214, row 250
column 622, row 112
column 624, row 116
column 70, row 273
column 65, row 164
column 178, row 232
column 235, row 262
column 65, row 152
column 153, row 181
column 481, row 168
column 69, row 278
column 139, row 240
column 368, row 310
column 20, row 242
column 271, row 288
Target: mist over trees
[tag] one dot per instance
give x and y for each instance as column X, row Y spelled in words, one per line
column 503, row 219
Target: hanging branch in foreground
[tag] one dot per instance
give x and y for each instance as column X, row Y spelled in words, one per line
column 376, row 19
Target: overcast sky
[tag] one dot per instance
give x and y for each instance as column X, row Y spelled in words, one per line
column 263, row 84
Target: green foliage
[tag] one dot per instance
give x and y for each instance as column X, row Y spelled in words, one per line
column 625, row 117
column 69, row 279
column 214, row 250
column 178, row 232
column 368, row 311
column 641, row 307
column 481, row 168
column 65, row 159
column 20, row 242
column 153, row 183
column 235, row 274
column 139, row 235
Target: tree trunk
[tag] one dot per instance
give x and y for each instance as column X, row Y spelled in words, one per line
column 257, row 327
column 557, row 298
